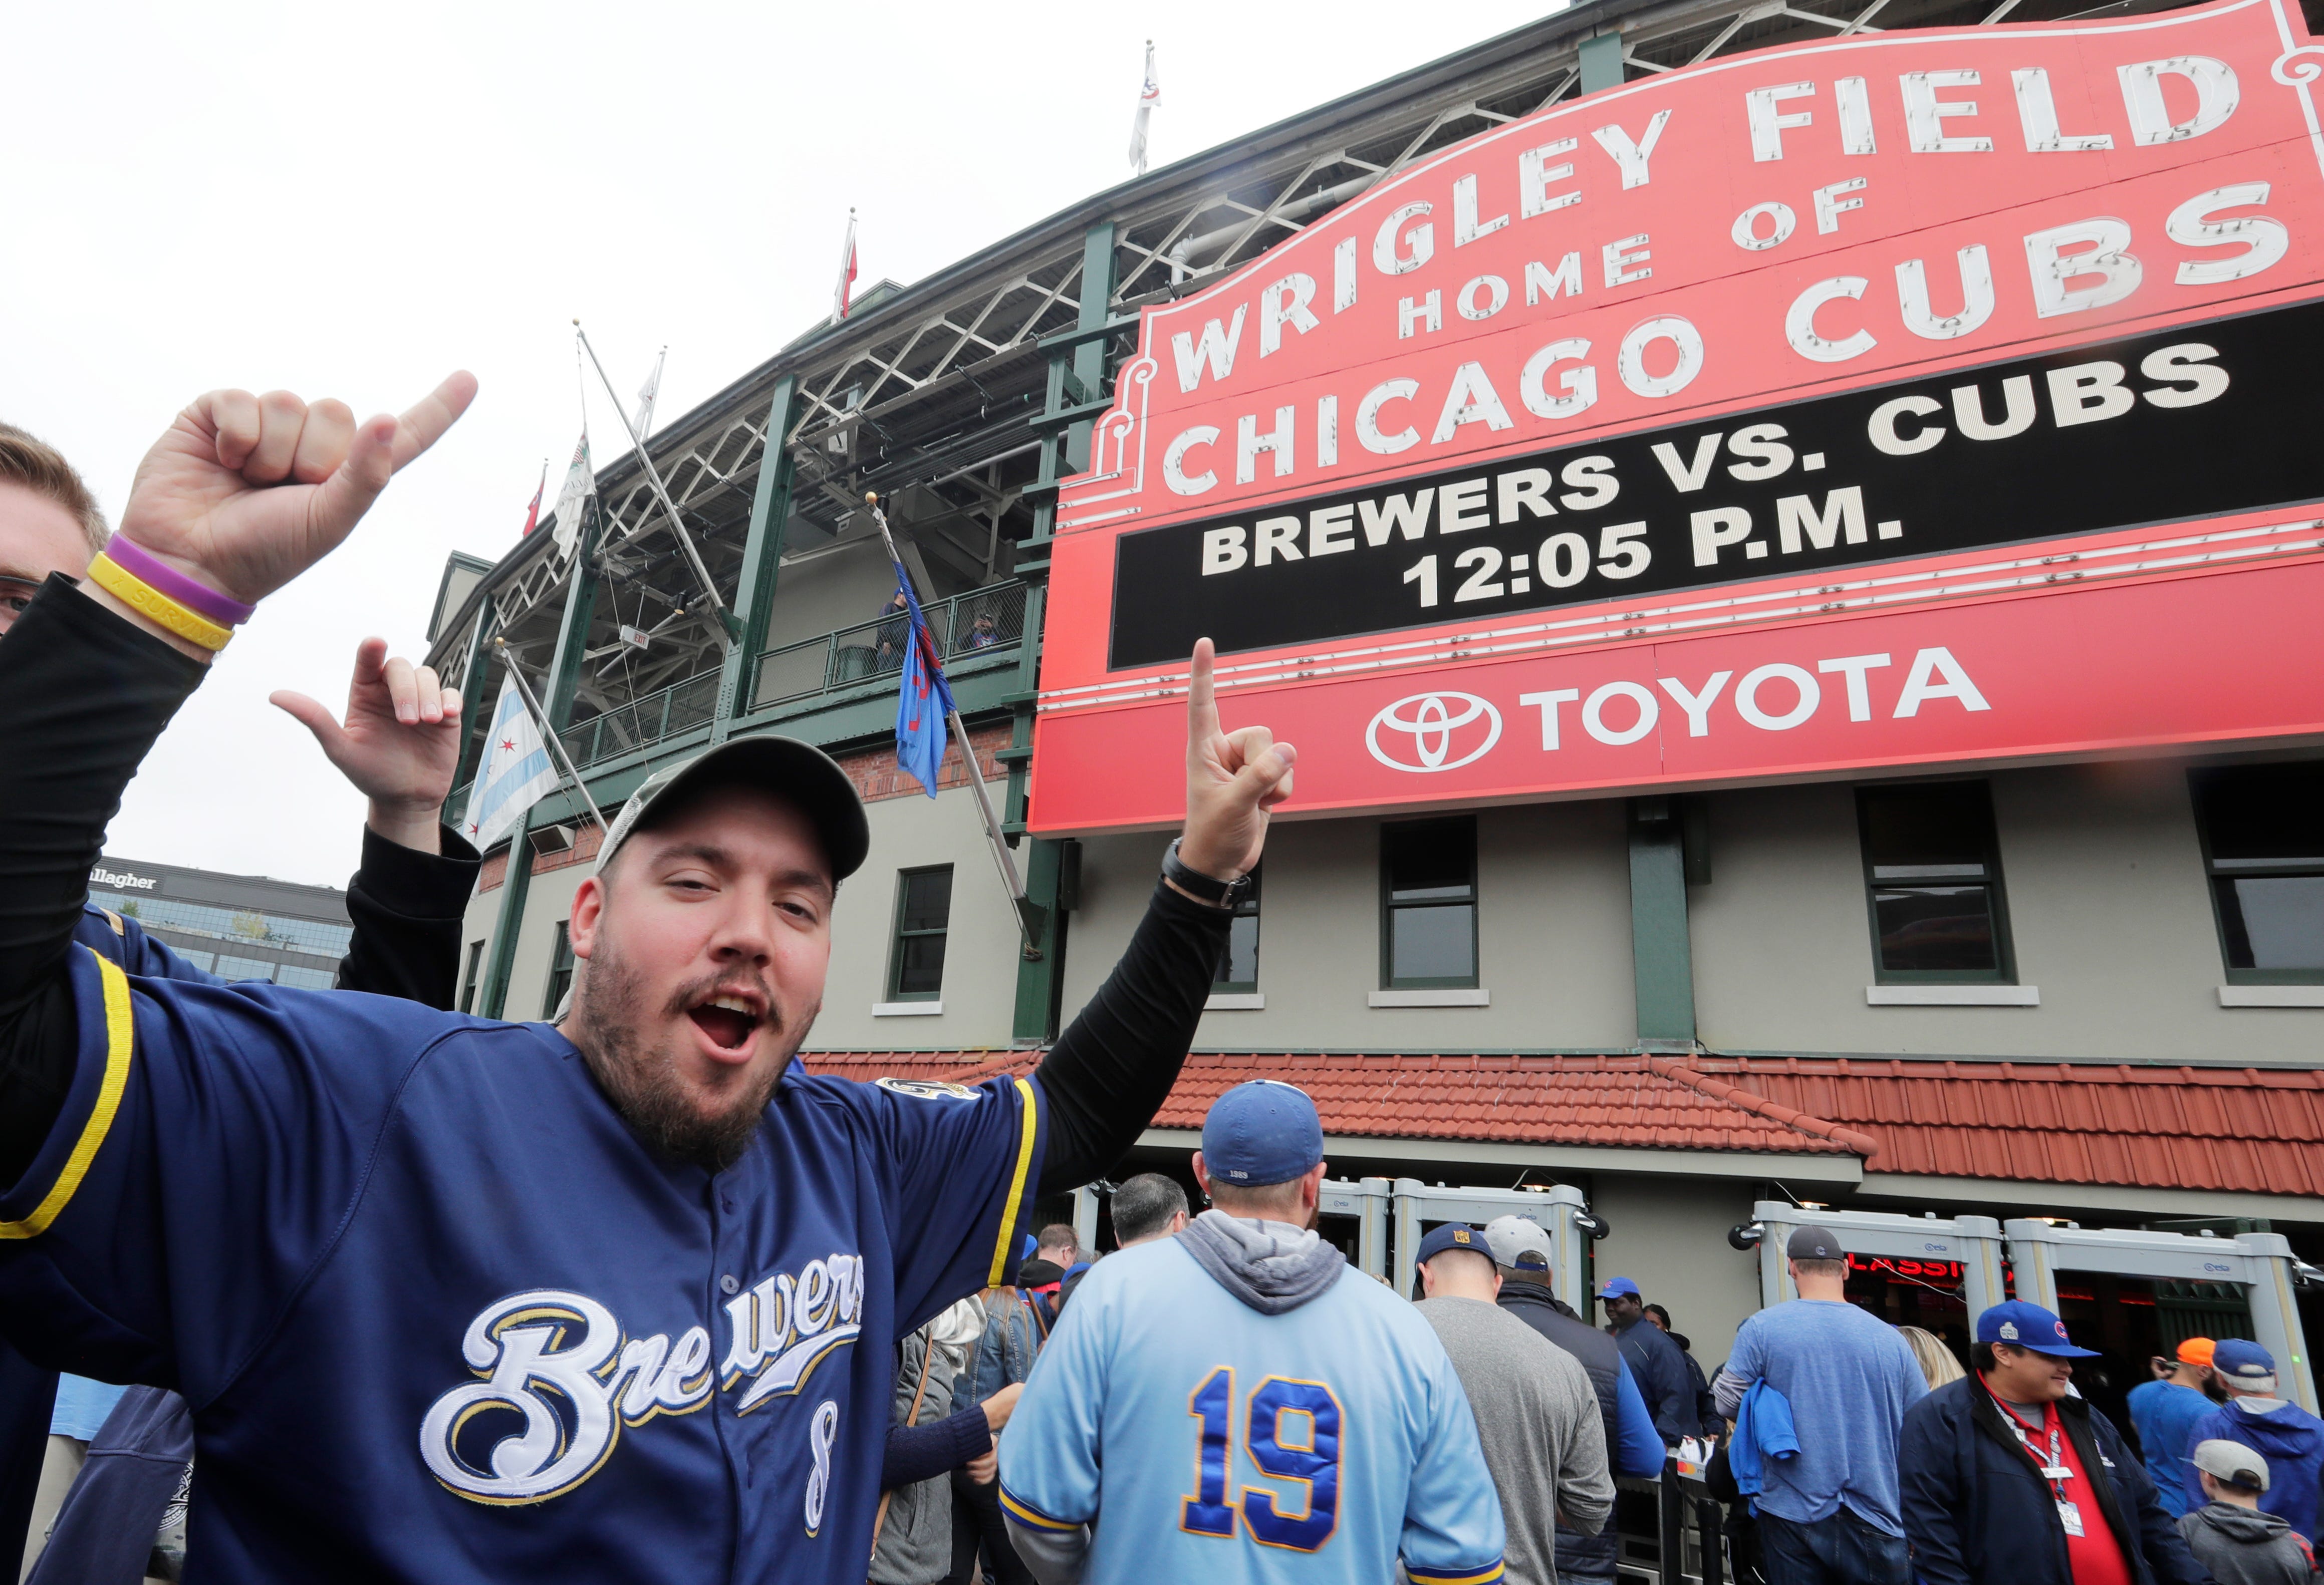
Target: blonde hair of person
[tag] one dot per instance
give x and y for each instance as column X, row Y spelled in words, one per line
column 27, row 460
column 1936, row 1360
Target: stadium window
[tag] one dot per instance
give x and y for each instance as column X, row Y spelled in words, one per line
column 2262, row 829
column 923, row 916
column 1239, row 970
column 560, row 971
column 1932, row 884
column 468, row 979
column 1428, row 903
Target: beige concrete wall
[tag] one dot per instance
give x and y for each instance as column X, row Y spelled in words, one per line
column 1554, row 936
column 2108, row 909
column 1670, row 1238
column 829, row 593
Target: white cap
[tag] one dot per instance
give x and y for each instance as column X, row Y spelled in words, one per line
column 1520, row 1243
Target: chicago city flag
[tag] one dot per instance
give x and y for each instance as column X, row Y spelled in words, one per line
column 515, row 773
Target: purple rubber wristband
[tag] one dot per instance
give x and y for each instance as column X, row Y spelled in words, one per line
column 202, row 601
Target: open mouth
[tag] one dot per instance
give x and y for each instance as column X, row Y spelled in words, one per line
column 727, row 1020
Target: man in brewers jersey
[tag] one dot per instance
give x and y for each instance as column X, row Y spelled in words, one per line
column 1236, row 1405
column 455, row 1300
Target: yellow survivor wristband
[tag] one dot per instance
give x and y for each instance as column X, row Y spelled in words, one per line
column 142, row 597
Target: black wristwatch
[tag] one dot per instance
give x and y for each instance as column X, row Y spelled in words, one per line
column 1208, row 889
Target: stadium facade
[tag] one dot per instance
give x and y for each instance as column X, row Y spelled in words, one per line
column 2083, row 983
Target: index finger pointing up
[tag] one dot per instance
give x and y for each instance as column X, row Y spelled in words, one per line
column 436, row 412
column 1202, row 704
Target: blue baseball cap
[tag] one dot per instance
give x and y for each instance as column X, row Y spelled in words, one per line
column 1261, row 1132
column 2028, row 1326
column 1452, row 1235
column 1619, row 1287
column 2245, row 1366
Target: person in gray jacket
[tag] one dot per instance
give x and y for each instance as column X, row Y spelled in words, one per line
column 1536, row 1412
column 2229, row 1536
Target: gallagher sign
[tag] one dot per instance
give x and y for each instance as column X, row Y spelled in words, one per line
column 1910, row 398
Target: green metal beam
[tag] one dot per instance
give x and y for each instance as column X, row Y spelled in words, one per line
column 1662, row 958
column 763, row 557
column 1076, row 370
column 564, row 681
column 472, row 703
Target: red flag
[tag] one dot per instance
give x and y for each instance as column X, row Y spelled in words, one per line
column 846, row 289
column 532, row 512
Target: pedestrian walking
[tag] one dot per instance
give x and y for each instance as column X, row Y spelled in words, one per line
column 1236, row 1405
column 2230, row 1536
column 1829, row 1514
column 2006, row 1476
column 1524, row 1255
column 2163, row 1413
column 1536, row 1413
column 2290, row 1438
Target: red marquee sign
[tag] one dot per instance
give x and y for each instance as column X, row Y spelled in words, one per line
column 1908, row 397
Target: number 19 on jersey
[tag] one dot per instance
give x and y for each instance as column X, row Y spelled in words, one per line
column 1290, row 1433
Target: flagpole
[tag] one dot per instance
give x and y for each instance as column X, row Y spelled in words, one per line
column 555, row 745
column 1027, row 911
column 661, row 493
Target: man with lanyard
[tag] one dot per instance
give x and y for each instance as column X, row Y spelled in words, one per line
column 2005, row 1476
column 399, row 746
column 423, row 1276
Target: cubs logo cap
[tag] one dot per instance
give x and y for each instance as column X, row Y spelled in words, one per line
column 1814, row 1243
column 800, row 773
column 2231, row 1461
column 2243, row 1364
column 1619, row 1287
column 1452, row 1235
column 1261, row 1132
column 2028, row 1326
column 1518, row 1242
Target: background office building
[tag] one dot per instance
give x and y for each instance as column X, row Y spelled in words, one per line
column 239, row 927
column 2087, row 988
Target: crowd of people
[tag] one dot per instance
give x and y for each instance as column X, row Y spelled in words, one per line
column 307, row 1225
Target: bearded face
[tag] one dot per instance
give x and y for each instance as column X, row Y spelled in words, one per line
column 705, row 945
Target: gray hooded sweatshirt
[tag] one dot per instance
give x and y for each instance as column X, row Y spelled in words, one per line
column 2242, row 1546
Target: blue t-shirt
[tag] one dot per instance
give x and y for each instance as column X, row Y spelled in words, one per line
column 2164, row 1412
column 1849, row 1378
column 441, row 1316
column 1211, row 1443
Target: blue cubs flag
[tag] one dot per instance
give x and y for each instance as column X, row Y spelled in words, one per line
column 926, row 704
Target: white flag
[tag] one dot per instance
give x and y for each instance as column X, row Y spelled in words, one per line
column 1149, row 96
column 516, row 772
column 580, row 483
column 844, row 289
column 646, row 394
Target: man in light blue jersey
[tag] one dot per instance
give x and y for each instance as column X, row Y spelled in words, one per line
column 1235, row 1406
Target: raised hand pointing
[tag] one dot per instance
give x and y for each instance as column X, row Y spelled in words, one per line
column 1234, row 780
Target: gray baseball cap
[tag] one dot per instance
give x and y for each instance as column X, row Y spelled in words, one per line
column 1811, row 1242
column 2231, row 1461
column 799, row 772
column 1518, row 1242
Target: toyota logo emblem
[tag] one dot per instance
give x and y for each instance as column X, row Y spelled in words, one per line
column 1429, row 725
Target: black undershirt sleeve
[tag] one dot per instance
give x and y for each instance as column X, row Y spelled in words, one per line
column 1110, row 1072
column 85, row 694
column 406, row 908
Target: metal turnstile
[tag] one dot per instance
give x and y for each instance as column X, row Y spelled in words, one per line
column 2261, row 1262
column 1972, row 1242
column 1559, row 1209
column 1366, row 1201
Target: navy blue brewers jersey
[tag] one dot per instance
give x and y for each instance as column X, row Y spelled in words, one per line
column 442, row 1317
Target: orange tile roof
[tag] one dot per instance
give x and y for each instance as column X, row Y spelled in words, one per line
column 2248, row 1129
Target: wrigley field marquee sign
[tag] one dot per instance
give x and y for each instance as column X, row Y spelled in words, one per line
column 1914, row 396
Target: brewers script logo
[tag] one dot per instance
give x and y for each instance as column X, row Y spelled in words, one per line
column 560, row 1362
column 1433, row 731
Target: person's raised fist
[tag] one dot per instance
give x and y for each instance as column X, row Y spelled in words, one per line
column 246, row 492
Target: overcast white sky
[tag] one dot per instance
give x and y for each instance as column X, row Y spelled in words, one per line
column 351, row 201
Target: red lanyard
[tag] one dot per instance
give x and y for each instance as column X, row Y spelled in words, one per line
column 2055, row 1472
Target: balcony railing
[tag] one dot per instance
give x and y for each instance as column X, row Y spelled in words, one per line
column 658, row 715
column 978, row 622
